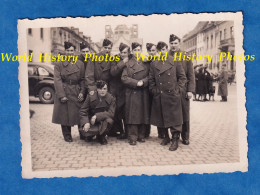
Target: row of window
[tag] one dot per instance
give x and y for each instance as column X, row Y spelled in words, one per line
column 222, row 36
column 30, row 32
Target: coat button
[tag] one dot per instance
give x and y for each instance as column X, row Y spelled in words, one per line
column 159, row 75
column 169, row 74
column 169, row 82
column 160, row 83
column 161, row 91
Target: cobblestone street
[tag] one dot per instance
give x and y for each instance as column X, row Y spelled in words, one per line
column 214, row 139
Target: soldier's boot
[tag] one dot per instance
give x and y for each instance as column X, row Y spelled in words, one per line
column 66, row 131
column 160, row 133
column 166, row 138
column 102, row 139
column 185, row 133
column 175, row 140
column 81, row 135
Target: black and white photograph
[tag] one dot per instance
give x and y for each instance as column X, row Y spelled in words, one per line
column 132, row 95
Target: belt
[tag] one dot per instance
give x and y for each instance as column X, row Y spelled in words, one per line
column 70, row 82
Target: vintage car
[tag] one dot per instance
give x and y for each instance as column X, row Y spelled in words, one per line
column 41, row 81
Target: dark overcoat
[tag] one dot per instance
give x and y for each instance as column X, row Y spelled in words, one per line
column 97, row 70
column 201, row 83
column 189, row 87
column 68, row 82
column 82, row 59
column 166, row 81
column 223, row 82
column 117, row 88
column 137, row 109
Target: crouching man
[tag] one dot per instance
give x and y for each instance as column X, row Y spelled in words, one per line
column 97, row 113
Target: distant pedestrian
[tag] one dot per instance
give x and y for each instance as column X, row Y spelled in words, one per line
column 223, row 82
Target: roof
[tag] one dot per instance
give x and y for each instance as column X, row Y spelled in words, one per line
column 199, row 27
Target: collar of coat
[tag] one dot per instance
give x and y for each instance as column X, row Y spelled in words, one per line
column 71, row 69
column 108, row 98
column 132, row 63
column 166, row 65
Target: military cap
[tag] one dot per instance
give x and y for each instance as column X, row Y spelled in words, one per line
column 135, row 45
column 107, row 42
column 84, row 45
column 174, row 37
column 122, row 46
column 149, row 46
column 161, row 45
column 67, row 45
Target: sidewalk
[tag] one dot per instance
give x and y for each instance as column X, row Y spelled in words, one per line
column 214, row 139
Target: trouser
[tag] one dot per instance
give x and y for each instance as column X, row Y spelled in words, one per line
column 175, row 129
column 185, row 133
column 161, row 131
column 136, row 131
column 224, row 98
column 66, row 131
column 147, row 130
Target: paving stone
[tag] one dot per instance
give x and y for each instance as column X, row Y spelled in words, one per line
column 214, row 139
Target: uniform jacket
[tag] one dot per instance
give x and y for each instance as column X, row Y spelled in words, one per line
column 222, row 86
column 189, row 87
column 166, row 82
column 97, row 70
column 64, row 72
column 137, row 109
column 102, row 107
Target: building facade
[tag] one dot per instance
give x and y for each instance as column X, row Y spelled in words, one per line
column 122, row 34
column 212, row 38
column 51, row 41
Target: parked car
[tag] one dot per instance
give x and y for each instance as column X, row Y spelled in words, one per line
column 41, row 81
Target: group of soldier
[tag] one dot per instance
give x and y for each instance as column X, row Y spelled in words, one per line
column 126, row 97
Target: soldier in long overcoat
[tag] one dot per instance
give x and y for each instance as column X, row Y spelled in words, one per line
column 99, row 70
column 223, row 82
column 166, row 82
column 189, row 88
column 151, row 50
column 117, row 89
column 69, row 93
column 97, row 113
column 137, row 111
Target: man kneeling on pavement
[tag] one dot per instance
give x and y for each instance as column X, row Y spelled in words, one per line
column 97, row 113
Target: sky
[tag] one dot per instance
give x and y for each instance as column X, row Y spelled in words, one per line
column 152, row 28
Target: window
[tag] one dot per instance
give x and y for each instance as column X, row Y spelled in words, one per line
column 231, row 31
column 54, row 33
column 32, row 71
column 42, row 57
column 211, row 41
column 225, row 33
column 207, row 42
column 31, row 52
column 41, row 33
column 43, row 72
column 29, row 31
column 220, row 35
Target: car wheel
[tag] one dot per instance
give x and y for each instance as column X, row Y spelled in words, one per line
column 46, row 95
